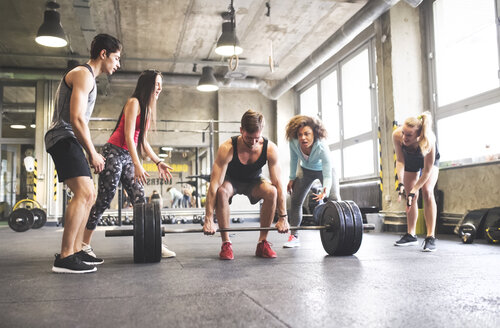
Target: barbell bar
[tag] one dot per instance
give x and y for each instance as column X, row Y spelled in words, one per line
column 130, row 232
column 341, row 229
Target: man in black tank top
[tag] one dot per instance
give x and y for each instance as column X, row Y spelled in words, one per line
column 68, row 133
column 237, row 170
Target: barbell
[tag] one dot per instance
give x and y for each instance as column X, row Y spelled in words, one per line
column 341, row 229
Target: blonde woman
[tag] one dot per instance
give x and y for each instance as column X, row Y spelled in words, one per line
column 305, row 135
column 417, row 167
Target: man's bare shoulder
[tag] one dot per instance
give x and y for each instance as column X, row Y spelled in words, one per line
column 226, row 147
column 80, row 77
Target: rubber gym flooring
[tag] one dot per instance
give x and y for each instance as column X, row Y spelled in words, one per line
column 380, row 286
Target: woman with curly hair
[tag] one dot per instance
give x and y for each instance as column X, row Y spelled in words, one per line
column 305, row 136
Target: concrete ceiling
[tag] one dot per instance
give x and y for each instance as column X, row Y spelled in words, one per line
column 172, row 35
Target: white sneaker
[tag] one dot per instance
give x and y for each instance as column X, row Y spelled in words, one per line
column 165, row 252
column 88, row 249
column 292, row 242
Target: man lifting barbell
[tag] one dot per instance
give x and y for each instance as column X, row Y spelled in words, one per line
column 237, row 170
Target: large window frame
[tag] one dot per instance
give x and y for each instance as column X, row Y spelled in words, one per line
column 462, row 106
column 342, row 144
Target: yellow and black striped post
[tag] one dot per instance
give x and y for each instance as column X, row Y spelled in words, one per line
column 380, row 160
column 35, row 178
column 55, row 185
column 396, row 182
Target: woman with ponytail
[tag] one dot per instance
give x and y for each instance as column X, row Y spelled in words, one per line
column 417, row 166
column 122, row 152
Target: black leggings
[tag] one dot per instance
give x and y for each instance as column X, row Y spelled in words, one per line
column 118, row 167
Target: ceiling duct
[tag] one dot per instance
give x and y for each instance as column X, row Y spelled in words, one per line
column 355, row 25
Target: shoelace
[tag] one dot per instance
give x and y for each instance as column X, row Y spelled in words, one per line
column 426, row 240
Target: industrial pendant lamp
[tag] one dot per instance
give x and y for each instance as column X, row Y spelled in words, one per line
column 207, row 81
column 51, row 33
column 228, row 44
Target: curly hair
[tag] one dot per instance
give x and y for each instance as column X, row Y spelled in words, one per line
column 299, row 121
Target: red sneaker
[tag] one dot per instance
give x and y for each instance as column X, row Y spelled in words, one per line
column 264, row 250
column 226, row 252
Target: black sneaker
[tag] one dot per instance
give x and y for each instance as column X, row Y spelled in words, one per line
column 89, row 259
column 429, row 244
column 71, row 264
column 407, row 240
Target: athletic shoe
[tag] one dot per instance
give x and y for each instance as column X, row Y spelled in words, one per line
column 407, row 240
column 429, row 244
column 71, row 264
column 165, row 252
column 88, row 249
column 292, row 242
column 264, row 250
column 226, row 251
column 89, row 259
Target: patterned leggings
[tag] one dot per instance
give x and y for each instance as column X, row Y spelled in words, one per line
column 118, row 167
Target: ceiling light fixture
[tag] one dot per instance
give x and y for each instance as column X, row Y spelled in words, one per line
column 228, row 44
column 51, row 33
column 207, row 81
column 18, row 126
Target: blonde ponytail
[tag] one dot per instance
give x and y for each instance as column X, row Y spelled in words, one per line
column 423, row 123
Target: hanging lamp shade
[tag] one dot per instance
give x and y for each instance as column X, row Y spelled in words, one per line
column 228, row 44
column 207, row 81
column 51, row 33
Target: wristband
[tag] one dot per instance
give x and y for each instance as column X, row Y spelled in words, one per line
column 412, row 196
column 282, row 216
column 158, row 162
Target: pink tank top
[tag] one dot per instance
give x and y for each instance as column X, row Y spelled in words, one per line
column 118, row 137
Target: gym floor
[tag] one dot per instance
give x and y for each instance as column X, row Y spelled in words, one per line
column 380, row 286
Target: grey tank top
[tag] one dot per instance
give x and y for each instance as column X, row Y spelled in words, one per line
column 61, row 128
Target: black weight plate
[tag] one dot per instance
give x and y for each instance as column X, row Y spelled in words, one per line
column 358, row 226
column 139, row 233
column 317, row 212
column 21, row 220
column 157, row 234
column 333, row 237
column 149, row 233
column 345, row 247
column 40, row 218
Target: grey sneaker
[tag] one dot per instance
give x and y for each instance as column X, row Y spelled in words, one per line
column 407, row 240
column 165, row 252
column 88, row 249
column 429, row 244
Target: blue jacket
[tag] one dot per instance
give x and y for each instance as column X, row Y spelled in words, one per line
column 319, row 160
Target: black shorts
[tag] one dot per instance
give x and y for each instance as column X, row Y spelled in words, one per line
column 69, row 159
column 244, row 188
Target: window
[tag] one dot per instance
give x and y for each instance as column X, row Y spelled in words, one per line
column 466, row 92
column 309, row 101
column 346, row 103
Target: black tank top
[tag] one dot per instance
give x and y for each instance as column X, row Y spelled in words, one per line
column 240, row 172
column 414, row 161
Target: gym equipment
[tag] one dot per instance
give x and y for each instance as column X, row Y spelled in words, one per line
column 472, row 225
column 40, row 218
column 26, row 214
column 341, row 230
column 467, row 232
column 21, row 219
